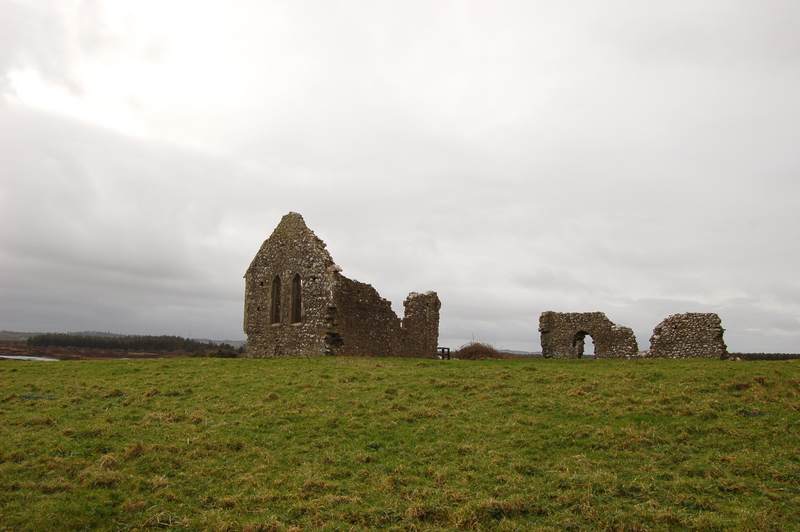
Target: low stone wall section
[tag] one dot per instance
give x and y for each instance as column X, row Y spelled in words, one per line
column 689, row 335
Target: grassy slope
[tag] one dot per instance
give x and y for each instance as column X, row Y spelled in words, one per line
column 359, row 444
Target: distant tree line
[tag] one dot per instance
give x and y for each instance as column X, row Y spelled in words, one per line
column 127, row 343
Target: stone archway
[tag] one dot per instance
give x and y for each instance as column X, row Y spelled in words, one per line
column 579, row 344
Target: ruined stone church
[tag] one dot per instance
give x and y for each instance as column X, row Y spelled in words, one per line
column 297, row 303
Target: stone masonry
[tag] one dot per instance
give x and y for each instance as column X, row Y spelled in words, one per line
column 297, row 303
column 690, row 335
column 563, row 335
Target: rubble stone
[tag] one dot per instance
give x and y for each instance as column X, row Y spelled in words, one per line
column 563, row 335
column 689, row 335
column 297, row 303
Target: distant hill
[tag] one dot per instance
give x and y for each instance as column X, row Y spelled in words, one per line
column 522, row 354
column 11, row 336
column 21, row 336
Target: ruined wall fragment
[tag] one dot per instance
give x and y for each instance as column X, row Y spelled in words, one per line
column 563, row 335
column 366, row 324
column 689, row 335
column 420, row 325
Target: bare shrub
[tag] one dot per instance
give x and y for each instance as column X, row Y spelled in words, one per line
column 478, row 351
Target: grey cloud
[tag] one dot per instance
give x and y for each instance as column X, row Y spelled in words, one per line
column 97, row 220
column 53, row 37
column 34, row 35
column 515, row 158
column 548, row 280
column 708, row 33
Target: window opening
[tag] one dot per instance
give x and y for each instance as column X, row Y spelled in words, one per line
column 275, row 314
column 297, row 288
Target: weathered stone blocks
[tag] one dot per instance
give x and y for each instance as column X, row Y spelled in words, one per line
column 297, row 303
column 563, row 335
column 689, row 335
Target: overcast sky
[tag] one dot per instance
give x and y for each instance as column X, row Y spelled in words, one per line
column 636, row 158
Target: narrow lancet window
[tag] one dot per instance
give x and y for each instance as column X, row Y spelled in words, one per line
column 275, row 314
column 296, row 315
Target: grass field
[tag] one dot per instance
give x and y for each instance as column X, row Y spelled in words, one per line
column 396, row 444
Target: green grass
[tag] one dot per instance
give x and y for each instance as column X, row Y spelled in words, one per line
column 395, row 444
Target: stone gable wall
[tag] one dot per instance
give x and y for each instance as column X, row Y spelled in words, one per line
column 291, row 249
column 689, row 335
column 563, row 335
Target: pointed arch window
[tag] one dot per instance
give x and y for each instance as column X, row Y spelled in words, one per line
column 275, row 310
column 297, row 303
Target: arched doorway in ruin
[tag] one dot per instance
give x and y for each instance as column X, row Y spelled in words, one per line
column 581, row 347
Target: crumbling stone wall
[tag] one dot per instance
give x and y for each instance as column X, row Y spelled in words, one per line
column 420, row 325
column 297, row 303
column 689, row 335
column 563, row 335
column 365, row 322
